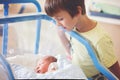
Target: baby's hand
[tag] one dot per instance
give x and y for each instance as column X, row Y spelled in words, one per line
column 52, row 67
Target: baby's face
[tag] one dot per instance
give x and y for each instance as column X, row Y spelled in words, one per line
column 42, row 66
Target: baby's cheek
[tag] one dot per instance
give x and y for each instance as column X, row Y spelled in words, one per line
column 44, row 69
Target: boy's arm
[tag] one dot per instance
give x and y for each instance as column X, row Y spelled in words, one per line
column 64, row 41
column 107, row 56
column 115, row 69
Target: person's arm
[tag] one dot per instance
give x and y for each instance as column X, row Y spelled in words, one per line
column 64, row 41
column 115, row 69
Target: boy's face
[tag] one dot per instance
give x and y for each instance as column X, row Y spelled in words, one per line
column 42, row 66
column 64, row 19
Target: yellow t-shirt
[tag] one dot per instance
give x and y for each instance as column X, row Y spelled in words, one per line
column 103, row 46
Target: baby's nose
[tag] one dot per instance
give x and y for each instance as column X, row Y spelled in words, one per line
column 38, row 71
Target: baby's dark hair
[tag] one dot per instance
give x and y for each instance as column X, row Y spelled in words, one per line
column 71, row 6
column 50, row 58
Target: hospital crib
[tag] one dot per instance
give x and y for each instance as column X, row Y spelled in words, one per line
column 39, row 17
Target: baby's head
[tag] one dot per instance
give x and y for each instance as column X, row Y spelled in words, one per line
column 43, row 64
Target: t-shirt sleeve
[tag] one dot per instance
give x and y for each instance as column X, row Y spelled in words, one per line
column 106, row 51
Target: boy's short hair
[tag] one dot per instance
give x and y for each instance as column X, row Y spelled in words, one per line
column 71, row 6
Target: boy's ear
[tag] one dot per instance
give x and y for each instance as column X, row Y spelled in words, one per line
column 79, row 10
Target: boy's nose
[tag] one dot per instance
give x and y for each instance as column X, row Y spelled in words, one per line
column 58, row 23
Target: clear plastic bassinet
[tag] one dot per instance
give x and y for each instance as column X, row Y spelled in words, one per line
column 22, row 58
column 28, row 49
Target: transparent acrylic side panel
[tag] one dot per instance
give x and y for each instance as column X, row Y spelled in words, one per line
column 22, row 37
column 21, row 43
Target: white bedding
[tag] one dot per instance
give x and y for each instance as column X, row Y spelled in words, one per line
column 65, row 71
column 69, row 72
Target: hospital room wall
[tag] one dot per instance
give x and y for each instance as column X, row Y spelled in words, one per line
column 112, row 26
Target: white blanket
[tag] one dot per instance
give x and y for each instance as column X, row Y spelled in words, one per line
column 69, row 72
column 65, row 69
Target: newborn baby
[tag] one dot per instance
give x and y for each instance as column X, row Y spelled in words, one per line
column 46, row 64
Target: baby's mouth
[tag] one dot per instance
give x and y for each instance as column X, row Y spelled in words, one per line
column 39, row 71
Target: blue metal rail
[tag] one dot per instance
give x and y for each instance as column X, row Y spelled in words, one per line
column 5, row 28
column 22, row 9
column 6, row 66
column 81, row 39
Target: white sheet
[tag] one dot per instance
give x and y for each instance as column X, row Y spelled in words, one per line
column 66, row 69
column 69, row 72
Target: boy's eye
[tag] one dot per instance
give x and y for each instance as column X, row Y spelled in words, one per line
column 59, row 19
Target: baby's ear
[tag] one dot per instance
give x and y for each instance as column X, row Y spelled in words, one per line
column 52, row 67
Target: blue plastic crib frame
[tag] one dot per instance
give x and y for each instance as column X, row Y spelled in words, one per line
column 81, row 39
column 5, row 28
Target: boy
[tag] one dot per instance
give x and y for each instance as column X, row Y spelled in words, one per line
column 44, row 65
column 71, row 15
